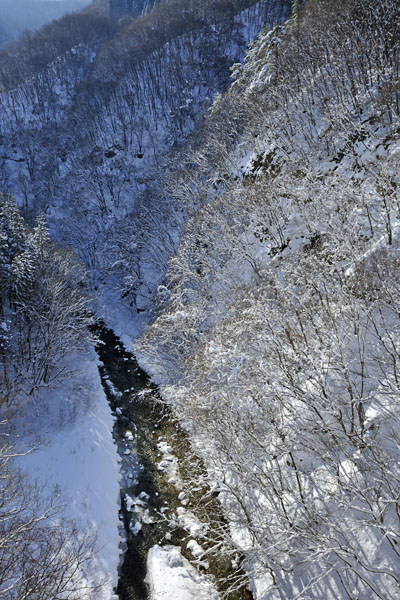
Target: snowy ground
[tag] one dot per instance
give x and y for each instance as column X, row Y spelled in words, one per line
column 77, row 458
column 118, row 316
column 171, row 577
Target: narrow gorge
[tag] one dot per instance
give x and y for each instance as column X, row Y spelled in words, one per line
column 199, row 202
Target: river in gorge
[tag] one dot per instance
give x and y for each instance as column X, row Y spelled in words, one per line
column 153, row 449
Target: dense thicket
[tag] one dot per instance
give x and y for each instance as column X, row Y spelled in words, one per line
column 278, row 338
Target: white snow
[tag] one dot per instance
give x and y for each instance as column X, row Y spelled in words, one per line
column 188, row 521
column 129, row 502
column 135, row 528
column 195, row 548
column 171, row 577
column 80, row 461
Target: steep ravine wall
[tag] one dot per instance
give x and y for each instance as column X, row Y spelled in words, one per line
column 82, row 138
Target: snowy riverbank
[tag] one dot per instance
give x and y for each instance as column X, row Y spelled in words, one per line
column 77, row 459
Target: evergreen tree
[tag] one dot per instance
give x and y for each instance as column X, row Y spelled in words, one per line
column 12, row 243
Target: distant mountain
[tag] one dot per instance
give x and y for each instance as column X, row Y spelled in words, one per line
column 32, row 14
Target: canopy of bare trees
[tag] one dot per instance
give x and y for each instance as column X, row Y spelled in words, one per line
column 278, row 339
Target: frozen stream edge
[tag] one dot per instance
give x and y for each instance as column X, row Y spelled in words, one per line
column 152, row 565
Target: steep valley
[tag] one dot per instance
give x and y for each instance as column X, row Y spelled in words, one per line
column 211, row 190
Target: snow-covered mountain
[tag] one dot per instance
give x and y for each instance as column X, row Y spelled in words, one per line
column 91, row 107
column 245, row 206
column 84, row 137
column 17, row 17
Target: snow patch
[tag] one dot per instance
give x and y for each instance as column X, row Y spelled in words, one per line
column 170, row 575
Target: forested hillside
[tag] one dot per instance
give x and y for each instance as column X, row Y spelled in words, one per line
column 91, row 106
column 278, row 339
column 238, row 212
column 103, row 104
column 44, row 320
column 132, row 8
column 44, row 311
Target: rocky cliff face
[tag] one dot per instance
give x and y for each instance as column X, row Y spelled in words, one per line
column 134, row 8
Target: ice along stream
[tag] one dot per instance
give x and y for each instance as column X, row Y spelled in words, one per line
column 151, row 446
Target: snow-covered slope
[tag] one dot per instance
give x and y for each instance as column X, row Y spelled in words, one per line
column 88, row 118
column 77, row 460
column 82, row 139
column 278, row 342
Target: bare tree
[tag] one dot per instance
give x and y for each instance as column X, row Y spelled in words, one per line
column 42, row 555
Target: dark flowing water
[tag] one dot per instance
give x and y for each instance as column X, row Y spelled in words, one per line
column 142, row 422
